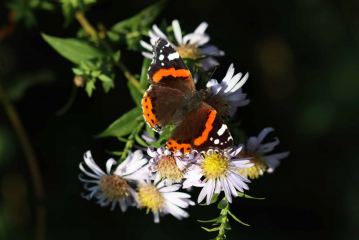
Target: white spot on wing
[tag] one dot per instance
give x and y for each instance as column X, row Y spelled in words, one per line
column 162, row 64
column 211, row 138
column 216, row 141
column 222, row 129
column 229, row 138
column 173, row 56
column 161, row 57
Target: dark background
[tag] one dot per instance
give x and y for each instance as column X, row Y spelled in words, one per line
column 302, row 57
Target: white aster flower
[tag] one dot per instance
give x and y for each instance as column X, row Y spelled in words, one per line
column 192, row 45
column 112, row 188
column 227, row 96
column 162, row 200
column 169, row 166
column 220, row 172
column 256, row 151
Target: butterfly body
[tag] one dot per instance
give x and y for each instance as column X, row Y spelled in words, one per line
column 173, row 99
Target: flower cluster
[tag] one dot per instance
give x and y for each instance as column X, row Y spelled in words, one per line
column 151, row 180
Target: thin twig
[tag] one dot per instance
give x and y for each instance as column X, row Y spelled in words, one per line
column 31, row 161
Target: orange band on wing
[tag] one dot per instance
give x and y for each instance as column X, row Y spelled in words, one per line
column 148, row 111
column 186, row 74
column 209, row 126
column 174, row 146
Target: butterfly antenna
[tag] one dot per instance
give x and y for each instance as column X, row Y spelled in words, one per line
column 214, row 71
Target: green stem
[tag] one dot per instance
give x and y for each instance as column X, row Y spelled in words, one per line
column 31, row 161
column 130, row 141
column 222, row 230
column 129, row 76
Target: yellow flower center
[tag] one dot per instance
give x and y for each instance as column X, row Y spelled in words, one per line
column 150, row 197
column 168, row 168
column 114, row 187
column 215, row 165
column 189, row 51
column 257, row 169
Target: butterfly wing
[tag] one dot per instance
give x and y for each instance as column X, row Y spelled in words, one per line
column 203, row 129
column 168, row 68
column 159, row 105
column 171, row 82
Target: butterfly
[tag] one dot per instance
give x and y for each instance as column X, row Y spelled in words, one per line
column 172, row 98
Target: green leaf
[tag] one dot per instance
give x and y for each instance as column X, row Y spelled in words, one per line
column 116, row 56
column 143, row 79
column 73, row 49
column 166, row 134
column 114, row 153
column 140, row 141
column 96, row 73
column 68, row 11
column 90, row 86
column 223, row 204
column 218, row 219
column 107, row 86
column 247, row 196
column 135, row 93
column 149, row 131
column 142, row 19
column 47, row 6
column 213, row 200
column 227, row 226
column 77, row 71
column 105, row 78
column 211, row 230
column 124, row 125
column 235, row 218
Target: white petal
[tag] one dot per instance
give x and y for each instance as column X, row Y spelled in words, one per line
column 158, row 32
column 177, row 194
column 240, row 83
column 175, row 211
column 146, row 45
column 211, row 50
column 229, row 74
column 252, row 143
column 109, row 165
column 156, row 217
column 176, row 201
column 210, row 194
column 226, row 189
column 204, row 192
column 201, row 28
column 218, row 187
column 212, row 82
column 264, row 133
column 279, row 155
column 147, row 55
column 88, row 173
column 177, row 31
column 172, row 188
column 91, row 164
column 268, row 147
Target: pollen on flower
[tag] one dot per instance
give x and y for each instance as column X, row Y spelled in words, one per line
column 168, row 168
column 114, row 187
column 215, row 165
column 257, row 169
column 189, row 51
column 220, row 104
column 150, row 197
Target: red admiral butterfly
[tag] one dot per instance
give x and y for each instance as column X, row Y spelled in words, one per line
column 173, row 98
